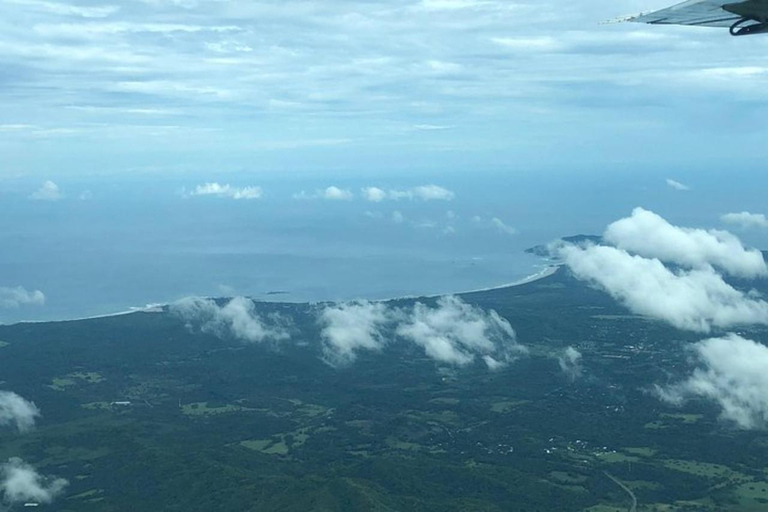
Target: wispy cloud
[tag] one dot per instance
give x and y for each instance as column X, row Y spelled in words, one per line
column 16, row 411
column 218, row 190
column 570, row 363
column 503, row 227
column 677, row 185
column 49, row 191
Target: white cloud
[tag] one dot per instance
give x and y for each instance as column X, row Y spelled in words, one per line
column 337, row 194
column 49, row 191
column 422, row 193
column 332, row 193
column 350, row 327
column 457, row 333
column 216, row 189
column 648, row 234
column 677, row 185
column 238, row 318
column 15, row 410
column 570, row 363
column 746, row 219
column 374, row 194
column 85, row 195
column 67, row 9
column 22, row 484
column 502, row 227
column 398, row 217
column 733, row 374
column 696, row 300
column 19, row 296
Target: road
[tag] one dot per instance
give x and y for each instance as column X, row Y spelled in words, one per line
column 618, row 482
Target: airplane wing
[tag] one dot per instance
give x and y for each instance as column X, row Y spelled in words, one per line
column 713, row 13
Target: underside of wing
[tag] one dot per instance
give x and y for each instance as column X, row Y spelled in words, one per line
column 703, row 13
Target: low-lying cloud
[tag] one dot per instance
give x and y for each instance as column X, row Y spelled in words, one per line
column 421, row 193
column 649, row 235
column 237, row 319
column 351, row 327
column 21, row 483
column 332, row 193
column 20, row 296
column 732, row 373
column 746, row 220
column 570, row 363
column 228, row 191
column 49, row 191
column 695, row 300
column 458, row 333
column 17, row 412
column 452, row 332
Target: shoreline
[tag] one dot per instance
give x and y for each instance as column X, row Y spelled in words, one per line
column 548, row 271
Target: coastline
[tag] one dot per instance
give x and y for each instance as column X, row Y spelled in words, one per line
column 548, row 271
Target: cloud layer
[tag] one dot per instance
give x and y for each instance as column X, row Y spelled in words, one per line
column 570, row 363
column 238, row 319
column 732, row 373
column 16, row 411
column 21, row 483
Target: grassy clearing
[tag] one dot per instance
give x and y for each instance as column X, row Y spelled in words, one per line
column 564, row 477
column 706, row 469
column 616, row 457
column 203, row 409
column 507, row 406
column 642, row 451
column 685, row 418
column 753, row 495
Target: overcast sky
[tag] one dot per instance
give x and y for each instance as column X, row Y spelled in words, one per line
column 212, row 85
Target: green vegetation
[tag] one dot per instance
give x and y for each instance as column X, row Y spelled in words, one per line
column 217, row 425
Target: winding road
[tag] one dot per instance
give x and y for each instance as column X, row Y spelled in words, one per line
column 618, row 482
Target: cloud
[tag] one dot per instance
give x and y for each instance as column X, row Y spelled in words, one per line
column 570, row 363
column 19, row 296
column 648, row 234
column 374, row 194
column 452, row 332
column 331, row 193
column 215, row 189
column 350, row 327
column 746, row 219
column 732, row 373
column 677, row 185
column 49, row 191
column 695, row 300
column 15, row 410
column 238, row 318
column 502, row 227
column 21, row 483
column 457, row 333
column 398, row 217
column 421, row 193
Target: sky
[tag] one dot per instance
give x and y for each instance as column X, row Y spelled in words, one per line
column 156, row 149
column 213, row 86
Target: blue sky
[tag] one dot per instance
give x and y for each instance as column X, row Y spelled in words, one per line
column 222, row 86
column 154, row 149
